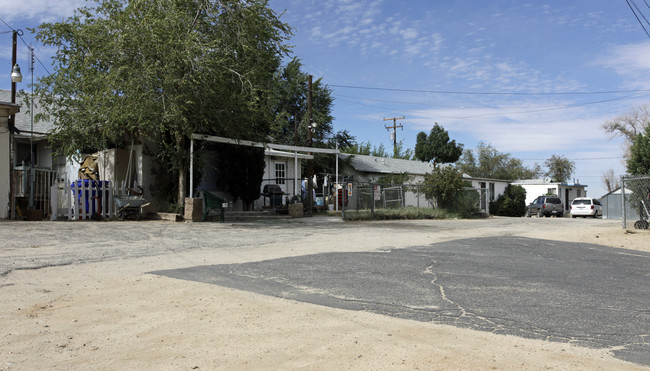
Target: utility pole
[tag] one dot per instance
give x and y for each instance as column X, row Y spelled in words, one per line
column 15, row 77
column 394, row 127
column 310, row 172
column 32, row 169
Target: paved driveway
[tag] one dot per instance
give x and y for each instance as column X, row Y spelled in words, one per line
column 583, row 294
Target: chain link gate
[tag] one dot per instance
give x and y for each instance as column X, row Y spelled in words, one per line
column 368, row 197
column 635, row 200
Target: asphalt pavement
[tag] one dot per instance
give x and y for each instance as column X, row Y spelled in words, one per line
column 583, row 294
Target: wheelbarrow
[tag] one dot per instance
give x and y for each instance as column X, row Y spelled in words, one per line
column 130, row 206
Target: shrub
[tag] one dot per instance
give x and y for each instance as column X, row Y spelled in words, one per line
column 511, row 203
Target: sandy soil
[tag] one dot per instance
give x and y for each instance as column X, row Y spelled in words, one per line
column 77, row 295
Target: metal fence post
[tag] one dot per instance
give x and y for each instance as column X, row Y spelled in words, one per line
column 343, row 197
column 623, row 214
column 372, row 201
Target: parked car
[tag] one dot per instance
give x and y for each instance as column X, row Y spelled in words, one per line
column 546, row 206
column 583, row 206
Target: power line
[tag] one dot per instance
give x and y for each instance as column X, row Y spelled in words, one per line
column 637, row 17
column 489, row 93
column 3, row 21
column 501, row 113
column 452, row 106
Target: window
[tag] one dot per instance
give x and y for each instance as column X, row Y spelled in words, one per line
column 551, row 191
column 492, row 196
column 280, row 172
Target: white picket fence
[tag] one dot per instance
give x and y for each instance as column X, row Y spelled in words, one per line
column 85, row 199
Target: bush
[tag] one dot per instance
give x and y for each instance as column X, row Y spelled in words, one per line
column 466, row 203
column 407, row 213
column 511, row 203
column 443, row 185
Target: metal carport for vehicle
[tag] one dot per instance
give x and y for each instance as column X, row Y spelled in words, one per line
column 270, row 146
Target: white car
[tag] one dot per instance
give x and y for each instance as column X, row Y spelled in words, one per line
column 583, row 206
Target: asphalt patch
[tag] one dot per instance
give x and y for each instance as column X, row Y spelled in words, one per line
column 587, row 295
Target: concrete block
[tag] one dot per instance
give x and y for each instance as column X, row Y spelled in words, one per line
column 295, row 210
column 193, row 209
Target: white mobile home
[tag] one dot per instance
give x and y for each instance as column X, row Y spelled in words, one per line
column 538, row 187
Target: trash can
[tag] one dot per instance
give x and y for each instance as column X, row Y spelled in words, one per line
column 90, row 189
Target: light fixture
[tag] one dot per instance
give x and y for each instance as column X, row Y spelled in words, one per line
column 16, row 76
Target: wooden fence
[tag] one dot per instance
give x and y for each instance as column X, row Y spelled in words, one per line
column 85, row 199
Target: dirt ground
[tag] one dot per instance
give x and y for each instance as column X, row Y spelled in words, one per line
column 77, row 295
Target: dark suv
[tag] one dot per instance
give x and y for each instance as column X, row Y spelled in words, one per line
column 546, row 206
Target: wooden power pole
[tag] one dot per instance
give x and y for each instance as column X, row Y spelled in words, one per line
column 394, row 127
column 310, row 172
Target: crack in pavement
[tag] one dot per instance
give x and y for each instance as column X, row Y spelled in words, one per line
column 443, row 294
column 562, row 292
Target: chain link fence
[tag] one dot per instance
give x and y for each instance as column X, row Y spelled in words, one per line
column 635, row 200
column 377, row 199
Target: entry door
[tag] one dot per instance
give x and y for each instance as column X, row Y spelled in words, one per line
column 281, row 175
column 566, row 199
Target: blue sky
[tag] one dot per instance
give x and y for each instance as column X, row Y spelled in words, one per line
column 531, row 78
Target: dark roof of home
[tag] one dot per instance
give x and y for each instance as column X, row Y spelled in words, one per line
column 23, row 118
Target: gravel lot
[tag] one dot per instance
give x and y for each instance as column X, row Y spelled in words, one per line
column 77, row 295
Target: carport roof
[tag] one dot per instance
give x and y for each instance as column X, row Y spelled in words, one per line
column 372, row 164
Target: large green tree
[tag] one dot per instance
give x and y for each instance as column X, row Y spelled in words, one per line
column 638, row 162
column 161, row 70
column 486, row 162
column 437, row 147
column 291, row 122
column 559, row 168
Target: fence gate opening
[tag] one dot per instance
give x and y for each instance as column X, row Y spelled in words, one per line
column 635, row 200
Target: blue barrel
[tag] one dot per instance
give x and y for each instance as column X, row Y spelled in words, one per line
column 85, row 185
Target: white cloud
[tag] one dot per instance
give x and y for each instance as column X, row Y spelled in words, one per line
column 631, row 61
column 409, row 33
column 362, row 25
column 39, row 11
column 512, row 129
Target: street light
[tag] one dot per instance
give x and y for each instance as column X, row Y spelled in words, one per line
column 16, row 76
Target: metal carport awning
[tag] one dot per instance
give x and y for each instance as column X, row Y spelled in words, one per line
column 278, row 148
column 276, row 153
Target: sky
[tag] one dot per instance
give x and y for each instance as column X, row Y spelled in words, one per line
column 531, row 78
